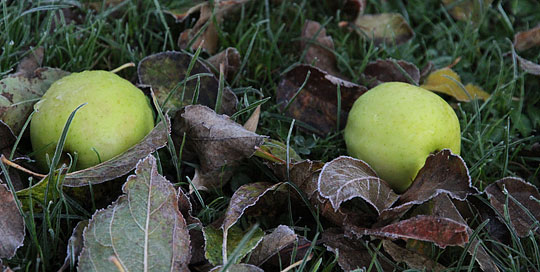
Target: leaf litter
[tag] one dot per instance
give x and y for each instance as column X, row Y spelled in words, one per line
column 12, row 226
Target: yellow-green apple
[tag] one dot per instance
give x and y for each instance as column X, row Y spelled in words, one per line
column 117, row 116
column 395, row 126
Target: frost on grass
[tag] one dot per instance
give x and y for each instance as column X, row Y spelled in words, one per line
column 12, row 228
column 143, row 230
column 214, row 243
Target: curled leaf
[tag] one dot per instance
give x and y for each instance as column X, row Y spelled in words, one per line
column 527, row 39
column 12, row 229
column 390, row 70
column 448, row 82
column 75, row 245
column 143, row 229
column 318, row 47
column 345, row 178
column 528, row 66
column 523, row 203
column 272, row 244
column 231, row 60
column 386, row 28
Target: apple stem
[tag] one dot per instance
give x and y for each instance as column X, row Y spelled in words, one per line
column 129, row 64
column 18, row 167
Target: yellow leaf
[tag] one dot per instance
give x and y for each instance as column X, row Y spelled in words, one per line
column 448, row 82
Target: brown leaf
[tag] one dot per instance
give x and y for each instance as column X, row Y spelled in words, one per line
column 30, row 63
column 185, row 10
column 392, row 70
column 239, row 268
column 230, row 58
column 465, row 10
column 253, row 121
column 12, row 229
column 123, row 163
column 386, row 28
column 316, row 103
column 195, row 233
column 143, row 229
column 527, row 39
column 523, row 206
column 528, row 66
column 164, row 71
column 448, row 82
column 75, row 245
column 318, row 47
column 411, row 258
column 352, row 254
column 345, row 178
column 443, row 172
column 7, row 139
column 439, row 230
column 272, row 244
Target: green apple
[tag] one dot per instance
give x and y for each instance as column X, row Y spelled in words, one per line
column 117, row 116
column 395, row 126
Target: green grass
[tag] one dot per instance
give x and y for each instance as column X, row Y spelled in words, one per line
column 267, row 33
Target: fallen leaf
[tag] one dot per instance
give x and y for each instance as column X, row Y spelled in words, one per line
column 276, row 151
column 411, row 258
column 230, row 58
column 528, row 66
column 18, row 95
column 165, row 72
column 143, row 229
column 123, row 163
column 12, row 229
column 527, row 39
column 183, row 9
column 238, row 268
column 74, row 248
column 345, row 178
column 217, row 140
column 272, row 244
column 195, row 227
column 390, row 70
column 523, row 205
column 465, row 10
column 388, row 28
column 253, row 121
column 448, row 82
column 7, row 139
column 205, row 27
column 443, row 172
column 214, row 243
column 316, row 103
column 439, row 230
column 318, row 47
column 30, row 63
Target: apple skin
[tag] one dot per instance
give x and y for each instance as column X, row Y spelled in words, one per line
column 117, row 116
column 395, row 126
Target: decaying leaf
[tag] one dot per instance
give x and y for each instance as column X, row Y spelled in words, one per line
column 389, row 70
column 388, row 28
column 253, row 121
column 195, row 228
column 7, row 139
column 465, row 10
column 75, row 245
column 19, row 93
column 123, row 163
column 230, row 58
column 345, row 178
column 214, row 241
column 30, row 63
column 316, row 103
column 205, row 30
column 12, row 229
column 238, row 268
column 523, row 203
column 528, row 66
column 318, row 47
column 272, row 244
column 439, row 230
column 448, row 82
column 411, row 258
column 184, row 9
column 527, row 39
column 276, row 151
column 166, row 72
column 143, row 229
column 217, row 140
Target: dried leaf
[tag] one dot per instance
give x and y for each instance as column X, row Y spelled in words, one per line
column 523, row 205
column 272, row 244
column 466, row 10
column 185, row 9
column 253, row 121
column 75, row 246
column 217, row 140
column 12, row 229
column 411, row 258
column 195, row 229
column 30, row 63
column 527, row 39
column 276, row 151
column 529, row 66
column 443, row 172
column 386, row 28
column 164, row 73
column 390, row 70
column 439, row 230
column 239, row 268
column 143, row 229
column 230, row 58
column 316, row 103
column 7, row 139
column 345, row 178
column 18, row 94
column 214, row 241
column 445, row 81
column 318, row 47
column 123, row 163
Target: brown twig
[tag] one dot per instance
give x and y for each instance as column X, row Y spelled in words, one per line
column 18, row 167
